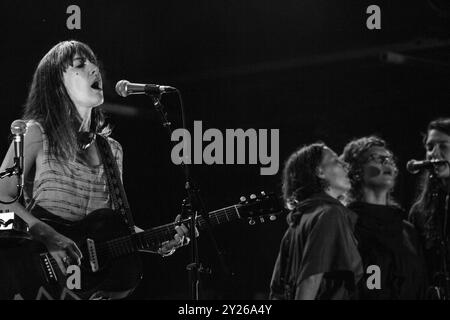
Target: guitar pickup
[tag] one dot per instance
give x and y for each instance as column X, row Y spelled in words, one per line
column 93, row 260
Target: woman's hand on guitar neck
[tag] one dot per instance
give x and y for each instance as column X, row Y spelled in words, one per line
column 63, row 250
column 181, row 238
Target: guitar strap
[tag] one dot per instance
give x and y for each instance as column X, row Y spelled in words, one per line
column 115, row 185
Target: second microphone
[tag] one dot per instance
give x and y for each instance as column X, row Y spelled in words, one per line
column 125, row 88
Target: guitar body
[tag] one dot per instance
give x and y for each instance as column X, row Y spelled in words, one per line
column 26, row 267
column 111, row 266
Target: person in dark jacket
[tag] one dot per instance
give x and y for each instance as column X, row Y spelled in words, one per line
column 385, row 239
column 430, row 213
column 318, row 256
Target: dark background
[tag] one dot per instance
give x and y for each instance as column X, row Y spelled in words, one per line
column 309, row 68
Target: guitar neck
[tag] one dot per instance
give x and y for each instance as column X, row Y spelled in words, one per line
column 153, row 238
column 156, row 236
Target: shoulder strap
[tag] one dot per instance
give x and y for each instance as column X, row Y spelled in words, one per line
column 116, row 189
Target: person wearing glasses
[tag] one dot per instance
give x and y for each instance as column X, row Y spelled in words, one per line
column 385, row 239
column 318, row 256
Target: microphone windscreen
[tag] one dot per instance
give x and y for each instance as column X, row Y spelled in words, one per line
column 121, row 88
column 411, row 166
column 18, row 127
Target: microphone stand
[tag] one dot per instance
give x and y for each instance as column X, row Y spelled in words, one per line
column 193, row 207
column 19, row 231
column 8, row 172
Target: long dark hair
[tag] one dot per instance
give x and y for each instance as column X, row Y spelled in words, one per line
column 424, row 199
column 300, row 179
column 49, row 103
column 354, row 154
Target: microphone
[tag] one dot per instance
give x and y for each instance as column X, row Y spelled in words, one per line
column 19, row 129
column 125, row 88
column 415, row 166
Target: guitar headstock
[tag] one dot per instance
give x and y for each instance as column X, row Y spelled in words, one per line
column 260, row 207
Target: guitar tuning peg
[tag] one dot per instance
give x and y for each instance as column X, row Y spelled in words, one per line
column 251, row 222
column 243, row 199
column 253, row 196
column 272, row 218
column 261, row 219
column 263, row 193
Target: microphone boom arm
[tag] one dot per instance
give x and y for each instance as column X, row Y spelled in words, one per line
column 8, row 172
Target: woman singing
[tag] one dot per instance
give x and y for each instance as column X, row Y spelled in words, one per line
column 430, row 214
column 63, row 171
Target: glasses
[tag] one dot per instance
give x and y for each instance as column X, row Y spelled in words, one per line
column 382, row 159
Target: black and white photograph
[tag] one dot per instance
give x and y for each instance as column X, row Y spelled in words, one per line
column 230, row 152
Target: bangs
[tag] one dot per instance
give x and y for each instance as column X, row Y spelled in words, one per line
column 67, row 50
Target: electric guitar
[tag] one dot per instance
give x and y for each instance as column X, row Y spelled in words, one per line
column 111, row 266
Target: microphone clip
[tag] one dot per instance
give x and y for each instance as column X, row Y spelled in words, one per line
column 8, row 172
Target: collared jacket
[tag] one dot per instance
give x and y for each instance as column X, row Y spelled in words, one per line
column 319, row 239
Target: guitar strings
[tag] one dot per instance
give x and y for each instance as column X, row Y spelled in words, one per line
column 128, row 243
column 121, row 245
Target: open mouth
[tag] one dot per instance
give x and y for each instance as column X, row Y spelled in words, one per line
column 96, row 85
column 442, row 165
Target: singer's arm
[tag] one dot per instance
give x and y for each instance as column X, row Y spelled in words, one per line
column 58, row 245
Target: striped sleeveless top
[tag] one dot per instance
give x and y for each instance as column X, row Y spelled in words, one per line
column 70, row 191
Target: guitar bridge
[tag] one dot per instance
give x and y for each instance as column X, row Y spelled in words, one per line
column 93, row 260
